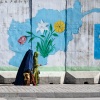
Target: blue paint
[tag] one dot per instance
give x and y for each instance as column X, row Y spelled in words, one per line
column 74, row 21
column 72, row 17
column 15, row 31
column 97, row 41
column 91, row 11
column 21, row 28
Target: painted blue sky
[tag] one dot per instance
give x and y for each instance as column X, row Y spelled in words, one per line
column 72, row 18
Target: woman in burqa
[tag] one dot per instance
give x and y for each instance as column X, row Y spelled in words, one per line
column 25, row 66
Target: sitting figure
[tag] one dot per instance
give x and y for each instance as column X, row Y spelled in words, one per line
column 24, row 71
column 33, row 80
column 26, row 78
column 35, row 67
column 29, row 78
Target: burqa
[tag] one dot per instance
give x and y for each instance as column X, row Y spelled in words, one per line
column 26, row 64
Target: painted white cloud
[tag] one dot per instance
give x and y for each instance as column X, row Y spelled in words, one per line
column 58, row 59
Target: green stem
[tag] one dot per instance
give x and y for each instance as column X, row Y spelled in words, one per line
column 51, row 34
column 37, row 37
column 28, row 36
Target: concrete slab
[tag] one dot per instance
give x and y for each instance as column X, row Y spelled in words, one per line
column 45, row 77
column 52, row 77
column 71, row 77
column 7, row 76
column 82, row 77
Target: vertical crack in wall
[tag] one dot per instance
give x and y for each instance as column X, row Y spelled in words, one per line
column 65, row 34
column 30, row 16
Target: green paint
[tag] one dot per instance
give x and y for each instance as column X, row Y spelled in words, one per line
column 57, row 68
column 8, row 68
column 42, row 68
column 45, row 46
column 74, row 68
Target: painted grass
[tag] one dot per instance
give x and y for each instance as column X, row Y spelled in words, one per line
column 46, row 68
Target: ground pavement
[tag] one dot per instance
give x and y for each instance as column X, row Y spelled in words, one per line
column 30, row 98
column 51, row 91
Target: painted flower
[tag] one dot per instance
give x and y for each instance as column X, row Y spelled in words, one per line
column 22, row 39
column 42, row 26
column 59, row 26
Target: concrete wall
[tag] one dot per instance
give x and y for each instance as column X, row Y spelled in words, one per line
column 82, row 49
column 75, row 44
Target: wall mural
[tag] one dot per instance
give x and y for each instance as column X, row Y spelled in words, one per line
column 50, row 29
column 97, row 41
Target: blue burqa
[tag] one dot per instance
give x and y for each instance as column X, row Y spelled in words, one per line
column 26, row 64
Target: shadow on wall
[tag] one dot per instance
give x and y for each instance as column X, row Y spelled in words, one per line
column 99, row 80
column 69, row 79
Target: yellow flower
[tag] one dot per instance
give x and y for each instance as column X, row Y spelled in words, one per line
column 59, row 26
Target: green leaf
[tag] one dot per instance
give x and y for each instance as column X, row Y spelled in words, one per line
column 37, row 47
column 52, row 48
column 45, row 32
column 42, row 36
column 31, row 39
column 50, row 27
column 50, row 42
column 29, row 32
column 55, row 34
column 53, row 39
